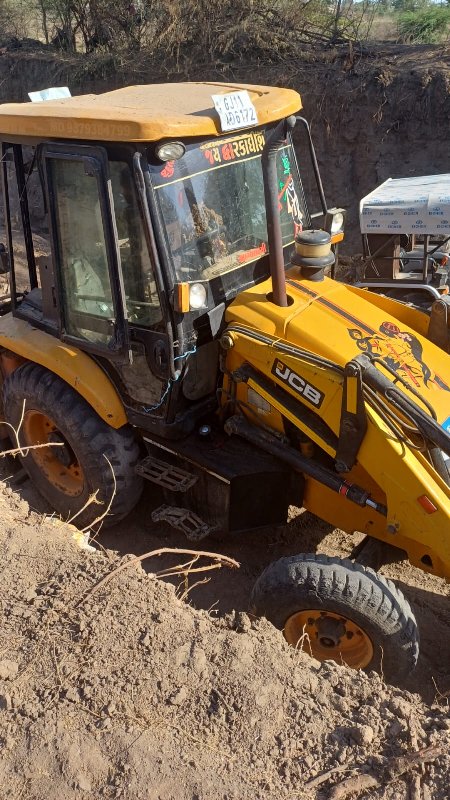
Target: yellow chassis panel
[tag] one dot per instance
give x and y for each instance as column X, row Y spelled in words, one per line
column 71, row 364
column 321, row 319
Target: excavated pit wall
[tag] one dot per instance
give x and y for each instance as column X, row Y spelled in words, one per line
column 378, row 113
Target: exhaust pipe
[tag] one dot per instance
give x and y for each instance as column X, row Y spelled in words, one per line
column 275, row 140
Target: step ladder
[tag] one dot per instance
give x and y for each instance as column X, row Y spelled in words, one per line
column 165, row 475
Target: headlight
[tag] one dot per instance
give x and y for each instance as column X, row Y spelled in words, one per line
column 197, row 296
column 170, row 151
column 189, row 297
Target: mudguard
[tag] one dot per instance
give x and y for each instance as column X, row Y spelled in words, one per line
column 71, row 364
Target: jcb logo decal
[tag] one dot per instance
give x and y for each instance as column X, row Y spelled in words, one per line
column 309, row 392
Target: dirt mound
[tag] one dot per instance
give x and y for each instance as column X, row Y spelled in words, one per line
column 131, row 693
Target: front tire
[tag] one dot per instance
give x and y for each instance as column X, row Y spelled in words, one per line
column 336, row 609
column 74, row 468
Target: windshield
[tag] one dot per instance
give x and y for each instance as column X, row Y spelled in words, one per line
column 212, row 203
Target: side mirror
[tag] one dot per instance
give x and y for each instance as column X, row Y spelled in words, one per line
column 4, row 260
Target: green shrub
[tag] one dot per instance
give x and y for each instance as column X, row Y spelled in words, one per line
column 424, row 26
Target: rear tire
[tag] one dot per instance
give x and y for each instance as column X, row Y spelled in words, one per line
column 336, row 609
column 66, row 476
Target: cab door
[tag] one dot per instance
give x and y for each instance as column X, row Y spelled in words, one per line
column 86, row 255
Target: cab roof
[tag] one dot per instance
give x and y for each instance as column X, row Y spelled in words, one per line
column 140, row 113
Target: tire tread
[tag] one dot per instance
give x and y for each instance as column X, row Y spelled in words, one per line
column 308, row 580
column 93, row 438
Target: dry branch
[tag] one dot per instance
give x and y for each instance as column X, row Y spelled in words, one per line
column 24, row 451
column 188, row 589
column 394, row 768
column 19, row 450
column 220, row 561
column 415, row 789
column 440, row 695
column 314, row 782
column 354, row 786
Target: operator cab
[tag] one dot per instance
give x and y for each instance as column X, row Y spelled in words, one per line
column 139, row 220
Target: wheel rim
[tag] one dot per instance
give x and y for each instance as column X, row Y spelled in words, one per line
column 59, row 464
column 326, row 636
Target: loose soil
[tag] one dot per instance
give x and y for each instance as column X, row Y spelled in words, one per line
column 132, row 693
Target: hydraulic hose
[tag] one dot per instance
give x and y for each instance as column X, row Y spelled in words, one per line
column 428, row 427
column 284, row 347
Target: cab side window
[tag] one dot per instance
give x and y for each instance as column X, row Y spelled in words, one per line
column 84, row 270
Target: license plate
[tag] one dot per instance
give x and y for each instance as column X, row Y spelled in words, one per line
column 235, row 110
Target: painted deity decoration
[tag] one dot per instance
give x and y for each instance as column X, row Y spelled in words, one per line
column 402, row 352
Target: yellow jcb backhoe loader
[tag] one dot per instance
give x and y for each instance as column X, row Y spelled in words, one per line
column 179, row 326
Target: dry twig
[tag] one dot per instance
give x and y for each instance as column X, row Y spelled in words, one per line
column 354, row 786
column 91, row 499
column 21, row 451
column 394, row 769
column 415, row 790
column 102, row 516
column 325, row 775
column 188, row 589
column 220, row 560
column 441, row 695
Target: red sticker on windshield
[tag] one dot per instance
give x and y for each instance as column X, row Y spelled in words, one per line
column 168, row 170
column 255, row 252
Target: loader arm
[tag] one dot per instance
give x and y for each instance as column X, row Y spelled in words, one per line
column 396, row 425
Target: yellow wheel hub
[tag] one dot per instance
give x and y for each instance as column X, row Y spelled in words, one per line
column 326, row 635
column 58, row 461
